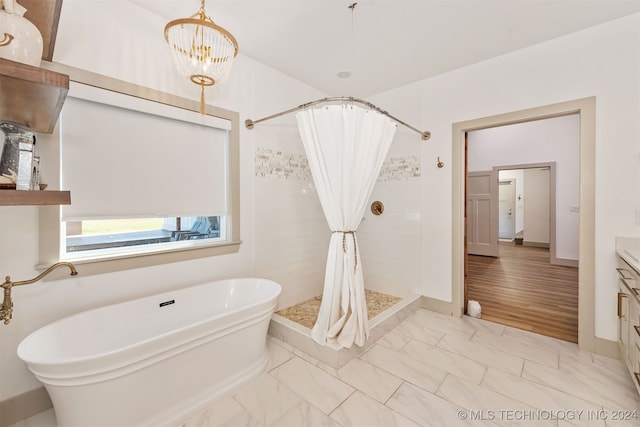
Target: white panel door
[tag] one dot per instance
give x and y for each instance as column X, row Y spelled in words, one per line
column 482, row 213
column 506, row 209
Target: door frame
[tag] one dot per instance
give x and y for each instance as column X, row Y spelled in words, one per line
column 585, row 107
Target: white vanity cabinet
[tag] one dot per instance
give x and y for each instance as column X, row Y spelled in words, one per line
column 629, row 317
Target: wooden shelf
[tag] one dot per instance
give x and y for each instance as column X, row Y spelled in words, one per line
column 24, row 197
column 32, row 97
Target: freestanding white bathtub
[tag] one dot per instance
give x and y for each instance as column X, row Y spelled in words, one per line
column 156, row 360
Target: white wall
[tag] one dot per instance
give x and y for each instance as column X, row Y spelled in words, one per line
column 541, row 141
column 602, row 61
column 123, row 41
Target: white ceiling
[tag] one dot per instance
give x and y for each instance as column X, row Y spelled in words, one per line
column 388, row 43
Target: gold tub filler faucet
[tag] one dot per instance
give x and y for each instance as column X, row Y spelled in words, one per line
column 7, row 305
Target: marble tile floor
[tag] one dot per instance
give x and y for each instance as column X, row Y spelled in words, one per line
column 432, row 370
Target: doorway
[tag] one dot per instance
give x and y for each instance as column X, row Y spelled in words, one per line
column 493, row 213
column 506, row 208
column 522, row 286
column 585, row 210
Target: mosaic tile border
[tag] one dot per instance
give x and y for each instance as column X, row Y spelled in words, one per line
column 279, row 164
column 400, row 169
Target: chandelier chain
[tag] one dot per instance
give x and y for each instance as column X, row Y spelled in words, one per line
column 352, row 7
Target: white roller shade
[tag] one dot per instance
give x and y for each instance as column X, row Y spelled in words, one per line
column 119, row 161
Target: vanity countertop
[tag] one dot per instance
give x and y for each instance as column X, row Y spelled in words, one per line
column 628, row 248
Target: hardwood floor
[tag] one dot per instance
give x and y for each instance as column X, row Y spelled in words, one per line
column 522, row 289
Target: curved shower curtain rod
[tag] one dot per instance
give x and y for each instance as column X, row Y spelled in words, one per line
column 249, row 123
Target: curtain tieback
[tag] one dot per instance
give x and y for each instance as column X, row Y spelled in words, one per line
column 344, row 246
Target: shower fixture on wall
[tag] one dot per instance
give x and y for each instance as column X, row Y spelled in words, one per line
column 201, row 50
column 377, row 208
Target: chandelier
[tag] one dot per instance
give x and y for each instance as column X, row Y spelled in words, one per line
column 202, row 50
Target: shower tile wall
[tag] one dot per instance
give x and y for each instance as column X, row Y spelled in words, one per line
column 390, row 243
column 292, row 235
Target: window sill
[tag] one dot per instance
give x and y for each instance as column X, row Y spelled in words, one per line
column 112, row 263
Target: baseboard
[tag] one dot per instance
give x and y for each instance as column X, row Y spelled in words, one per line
column 535, row 244
column 437, row 305
column 606, row 348
column 22, row 406
column 565, row 262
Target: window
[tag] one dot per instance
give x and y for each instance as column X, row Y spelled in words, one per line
column 146, row 177
column 93, row 238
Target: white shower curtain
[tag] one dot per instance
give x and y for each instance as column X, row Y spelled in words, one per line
column 346, row 146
